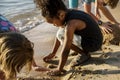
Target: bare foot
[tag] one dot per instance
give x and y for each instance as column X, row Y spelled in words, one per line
column 48, row 57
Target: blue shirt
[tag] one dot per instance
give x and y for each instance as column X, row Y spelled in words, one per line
column 6, row 25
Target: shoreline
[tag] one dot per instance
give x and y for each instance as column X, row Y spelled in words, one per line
column 27, row 20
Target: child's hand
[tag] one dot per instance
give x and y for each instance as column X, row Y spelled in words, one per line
column 48, row 57
column 106, row 27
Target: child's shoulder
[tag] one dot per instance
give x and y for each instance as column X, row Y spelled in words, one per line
column 75, row 14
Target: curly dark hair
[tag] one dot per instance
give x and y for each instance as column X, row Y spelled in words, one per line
column 50, row 8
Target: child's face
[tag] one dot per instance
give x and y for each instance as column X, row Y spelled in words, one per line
column 55, row 21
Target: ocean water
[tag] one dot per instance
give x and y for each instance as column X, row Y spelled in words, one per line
column 14, row 7
column 22, row 13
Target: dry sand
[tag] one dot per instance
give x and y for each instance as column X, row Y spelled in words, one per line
column 104, row 65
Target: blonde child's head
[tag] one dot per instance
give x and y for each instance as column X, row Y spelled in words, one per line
column 15, row 52
column 111, row 3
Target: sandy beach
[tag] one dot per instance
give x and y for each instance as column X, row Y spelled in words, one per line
column 104, row 65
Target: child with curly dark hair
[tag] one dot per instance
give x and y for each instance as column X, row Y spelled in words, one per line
column 77, row 31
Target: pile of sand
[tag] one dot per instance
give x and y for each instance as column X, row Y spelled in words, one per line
column 113, row 37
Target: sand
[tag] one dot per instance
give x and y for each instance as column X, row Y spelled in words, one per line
column 104, row 65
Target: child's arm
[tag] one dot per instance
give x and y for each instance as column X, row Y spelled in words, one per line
column 56, row 46
column 69, row 33
column 97, row 13
column 52, row 54
column 107, row 13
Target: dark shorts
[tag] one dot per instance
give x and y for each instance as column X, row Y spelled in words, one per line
column 91, row 45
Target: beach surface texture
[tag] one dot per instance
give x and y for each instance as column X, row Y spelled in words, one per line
column 104, row 65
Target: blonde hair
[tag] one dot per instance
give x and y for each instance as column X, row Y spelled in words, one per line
column 112, row 3
column 15, row 52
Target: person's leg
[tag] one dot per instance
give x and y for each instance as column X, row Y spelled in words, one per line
column 88, row 45
column 76, row 49
column 81, row 57
column 77, row 42
column 87, row 8
column 73, row 4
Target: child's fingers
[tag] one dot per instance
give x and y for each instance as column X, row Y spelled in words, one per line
column 108, row 31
